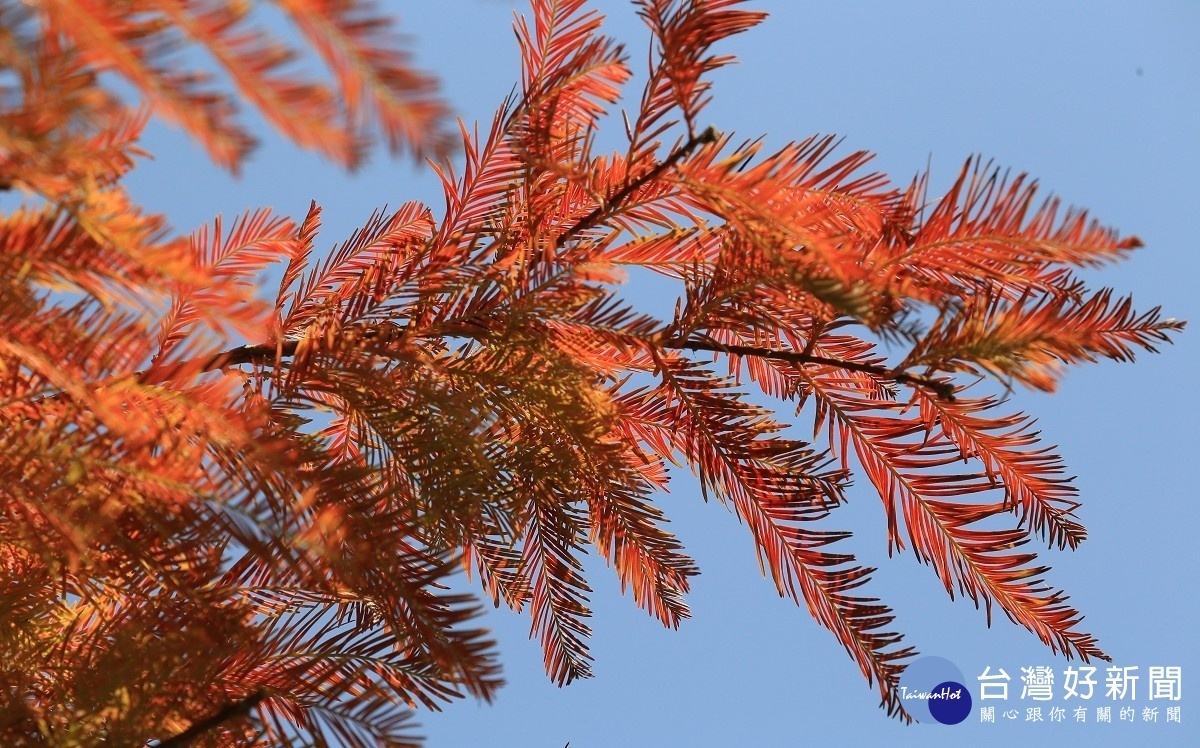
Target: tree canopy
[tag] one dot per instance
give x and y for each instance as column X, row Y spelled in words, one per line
column 229, row 512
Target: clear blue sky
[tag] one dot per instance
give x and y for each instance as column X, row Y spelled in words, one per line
column 1100, row 101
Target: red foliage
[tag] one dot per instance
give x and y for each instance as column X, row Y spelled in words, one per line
column 190, row 552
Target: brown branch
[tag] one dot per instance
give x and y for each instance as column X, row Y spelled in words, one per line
column 261, row 353
column 226, row 713
column 592, row 219
column 246, row 354
column 266, row 353
column 942, row 388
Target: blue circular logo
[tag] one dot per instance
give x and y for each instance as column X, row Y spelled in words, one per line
column 932, row 691
column 950, row 703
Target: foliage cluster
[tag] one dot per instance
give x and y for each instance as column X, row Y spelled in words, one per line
column 189, row 557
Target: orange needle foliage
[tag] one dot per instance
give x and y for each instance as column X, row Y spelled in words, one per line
column 191, row 556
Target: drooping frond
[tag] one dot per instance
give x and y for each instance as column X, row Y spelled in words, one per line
column 378, row 86
column 558, row 592
column 144, row 42
column 907, row 462
column 303, row 110
column 59, row 132
column 649, row 560
column 138, row 47
column 1032, row 476
column 779, row 488
column 824, row 580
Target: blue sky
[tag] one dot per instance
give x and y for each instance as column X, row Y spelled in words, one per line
column 1099, row 101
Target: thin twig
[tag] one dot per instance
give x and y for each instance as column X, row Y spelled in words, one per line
column 617, row 198
column 942, row 388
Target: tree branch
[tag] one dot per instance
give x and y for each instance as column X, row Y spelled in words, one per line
column 943, row 389
column 591, row 219
column 266, row 353
column 246, row 354
column 227, row 713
